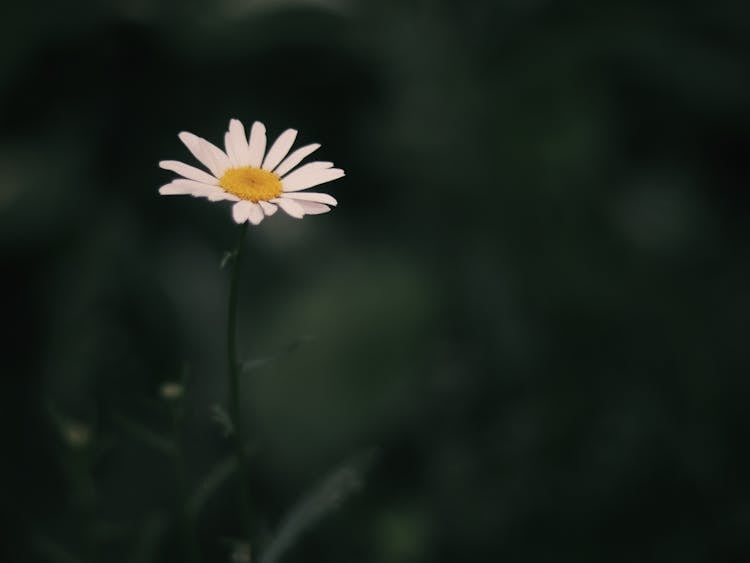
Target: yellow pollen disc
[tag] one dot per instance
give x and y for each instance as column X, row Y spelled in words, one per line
column 252, row 184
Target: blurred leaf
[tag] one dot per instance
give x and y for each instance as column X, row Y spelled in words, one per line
column 288, row 350
column 210, row 484
column 144, row 435
column 320, row 501
column 222, row 418
column 228, row 256
column 54, row 552
column 147, row 542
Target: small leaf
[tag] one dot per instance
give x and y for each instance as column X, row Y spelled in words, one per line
column 222, row 418
column 228, row 256
column 258, row 363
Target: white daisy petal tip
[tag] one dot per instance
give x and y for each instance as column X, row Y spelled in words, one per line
column 185, row 136
column 255, row 214
column 309, row 175
column 279, row 150
column 290, row 207
column 313, row 208
column 257, row 175
column 316, row 197
column 240, row 211
column 189, row 172
column 295, row 158
column 268, row 208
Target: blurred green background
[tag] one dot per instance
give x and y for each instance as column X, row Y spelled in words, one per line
column 529, row 311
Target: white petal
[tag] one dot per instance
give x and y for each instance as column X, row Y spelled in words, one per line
column 279, row 149
column 255, row 214
column 257, row 144
column 291, row 207
column 189, row 187
column 241, row 211
column 313, row 208
column 315, row 164
column 236, row 143
column 171, row 189
column 295, row 158
column 209, row 155
column 222, row 196
column 268, row 208
column 187, row 171
column 310, row 175
column 311, row 196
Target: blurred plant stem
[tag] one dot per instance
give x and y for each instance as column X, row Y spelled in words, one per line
column 186, row 519
column 233, row 367
column 85, row 498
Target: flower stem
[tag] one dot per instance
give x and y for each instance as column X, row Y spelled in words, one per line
column 233, row 398
column 87, row 501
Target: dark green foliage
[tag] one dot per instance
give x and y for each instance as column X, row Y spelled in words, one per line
column 532, row 300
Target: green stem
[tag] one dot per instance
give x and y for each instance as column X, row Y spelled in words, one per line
column 86, row 493
column 234, row 384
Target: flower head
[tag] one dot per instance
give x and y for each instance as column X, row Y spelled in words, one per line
column 76, row 434
column 258, row 181
column 171, row 390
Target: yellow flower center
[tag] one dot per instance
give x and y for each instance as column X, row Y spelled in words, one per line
column 252, row 184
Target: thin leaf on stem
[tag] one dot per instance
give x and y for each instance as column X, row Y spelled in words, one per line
column 327, row 496
column 144, row 435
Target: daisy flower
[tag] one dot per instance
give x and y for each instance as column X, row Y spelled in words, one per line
column 258, row 181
